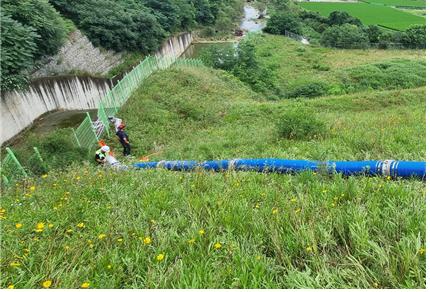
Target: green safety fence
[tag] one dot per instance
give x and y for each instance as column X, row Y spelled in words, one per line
column 89, row 133
column 12, row 169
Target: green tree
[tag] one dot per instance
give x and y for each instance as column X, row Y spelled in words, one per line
column 18, row 46
column 342, row 17
column 373, row 33
column 278, row 23
column 414, row 37
column 346, row 36
column 43, row 18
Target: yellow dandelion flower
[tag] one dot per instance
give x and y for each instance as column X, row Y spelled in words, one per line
column 46, row 284
column 147, row 240
column 11, row 286
column 202, row 232
column 50, row 225
column 275, row 211
column 119, row 240
column 81, row 225
column 14, row 264
column 388, row 177
column 160, row 257
column 309, row 248
column 192, row 241
column 18, row 225
column 85, row 285
column 217, row 245
column 101, row 236
column 44, row 176
column 40, row 225
column 422, row 251
column 32, row 188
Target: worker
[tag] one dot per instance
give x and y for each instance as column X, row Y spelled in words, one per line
column 123, row 139
column 116, row 121
column 101, row 154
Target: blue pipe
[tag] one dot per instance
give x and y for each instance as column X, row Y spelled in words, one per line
column 392, row 168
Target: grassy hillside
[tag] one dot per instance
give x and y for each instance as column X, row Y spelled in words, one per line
column 159, row 229
column 296, row 65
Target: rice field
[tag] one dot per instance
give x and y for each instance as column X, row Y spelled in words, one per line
column 370, row 14
column 399, row 3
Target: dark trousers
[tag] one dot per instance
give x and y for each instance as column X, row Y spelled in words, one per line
column 127, row 148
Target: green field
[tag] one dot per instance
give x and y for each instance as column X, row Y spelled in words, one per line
column 399, row 3
column 369, row 14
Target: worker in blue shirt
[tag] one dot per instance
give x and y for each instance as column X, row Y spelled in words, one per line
column 123, row 139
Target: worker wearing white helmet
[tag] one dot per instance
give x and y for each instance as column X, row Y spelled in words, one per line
column 101, row 154
column 116, row 121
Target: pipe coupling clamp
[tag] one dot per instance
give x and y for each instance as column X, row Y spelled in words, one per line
column 386, row 166
column 232, row 164
column 161, row 163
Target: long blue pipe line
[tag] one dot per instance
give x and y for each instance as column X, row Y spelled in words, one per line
column 392, row 168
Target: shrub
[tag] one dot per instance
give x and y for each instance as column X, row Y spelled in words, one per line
column 311, row 89
column 220, row 57
column 300, row 124
column 242, row 63
column 278, row 23
column 347, row 36
column 388, row 75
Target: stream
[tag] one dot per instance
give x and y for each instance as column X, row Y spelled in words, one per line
column 249, row 23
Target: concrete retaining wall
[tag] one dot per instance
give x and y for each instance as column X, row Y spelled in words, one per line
column 20, row 108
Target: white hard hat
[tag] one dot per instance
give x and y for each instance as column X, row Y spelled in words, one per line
column 105, row 148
